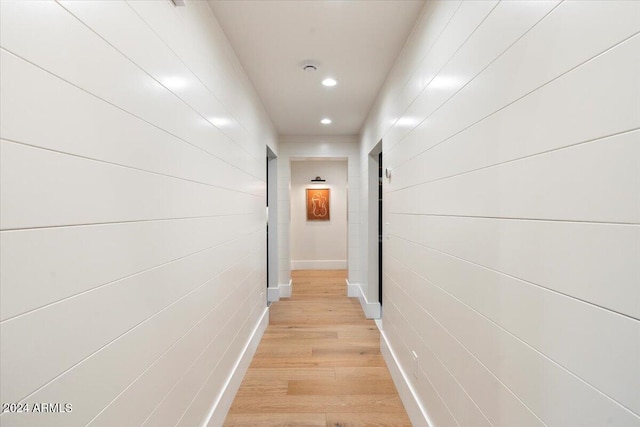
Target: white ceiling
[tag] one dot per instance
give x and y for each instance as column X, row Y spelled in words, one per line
column 356, row 42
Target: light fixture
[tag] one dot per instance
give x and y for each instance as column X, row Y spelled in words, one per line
column 329, row 82
column 318, row 179
column 325, row 121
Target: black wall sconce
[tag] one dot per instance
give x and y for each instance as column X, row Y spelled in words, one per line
column 318, row 179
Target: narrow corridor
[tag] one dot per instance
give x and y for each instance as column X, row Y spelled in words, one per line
column 319, row 363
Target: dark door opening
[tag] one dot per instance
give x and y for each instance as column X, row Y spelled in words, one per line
column 380, row 228
column 271, row 226
column 267, row 240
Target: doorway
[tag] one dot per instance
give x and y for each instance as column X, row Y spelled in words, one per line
column 319, row 242
column 271, row 222
column 380, row 229
column 375, row 228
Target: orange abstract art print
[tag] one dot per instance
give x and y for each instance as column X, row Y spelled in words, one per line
column 317, row 204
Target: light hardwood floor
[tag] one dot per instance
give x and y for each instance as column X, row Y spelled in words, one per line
column 318, row 364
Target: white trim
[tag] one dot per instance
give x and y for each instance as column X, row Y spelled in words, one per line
column 417, row 413
column 371, row 309
column 285, row 289
column 322, row 264
column 272, row 218
column 371, row 200
column 282, row 291
column 353, row 290
column 220, row 407
column 273, row 294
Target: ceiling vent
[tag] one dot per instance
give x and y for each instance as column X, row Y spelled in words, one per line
column 310, row 66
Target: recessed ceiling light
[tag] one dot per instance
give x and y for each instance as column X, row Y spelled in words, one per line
column 325, row 121
column 329, row 82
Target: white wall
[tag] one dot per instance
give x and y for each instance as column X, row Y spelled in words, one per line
column 132, row 214
column 319, row 245
column 513, row 209
column 301, row 148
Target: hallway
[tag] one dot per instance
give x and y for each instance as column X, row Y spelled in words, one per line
column 319, row 363
column 159, row 162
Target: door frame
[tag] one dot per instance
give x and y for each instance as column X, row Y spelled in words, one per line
column 374, row 267
column 272, row 221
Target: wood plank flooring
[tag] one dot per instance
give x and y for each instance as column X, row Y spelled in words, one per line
column 318, row 364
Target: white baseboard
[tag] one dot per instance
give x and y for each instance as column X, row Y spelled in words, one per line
column 273, row 294
column 408, row 395
column 371, row 309
column 285, row 290
column 282, row 291
column 220, row 408
column 353, row 290
column 324, row 264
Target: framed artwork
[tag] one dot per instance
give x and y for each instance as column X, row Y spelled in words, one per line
column 317, row 204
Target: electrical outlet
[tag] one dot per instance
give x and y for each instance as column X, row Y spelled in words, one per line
column 414, row 368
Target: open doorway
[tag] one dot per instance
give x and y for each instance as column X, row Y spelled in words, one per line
column 374, row 289
column 272, row 223
column 319, row 242
column 380, row 229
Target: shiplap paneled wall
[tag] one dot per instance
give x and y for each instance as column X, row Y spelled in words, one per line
column 133, row 211
column 512, row 250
